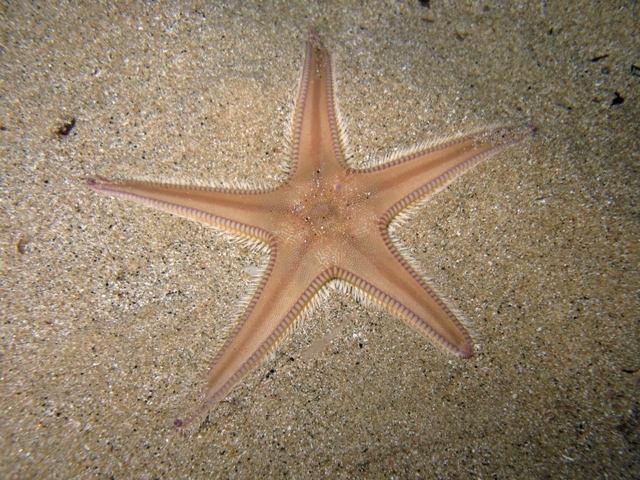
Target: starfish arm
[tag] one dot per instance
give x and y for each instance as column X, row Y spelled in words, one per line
column 378, row 271
column 284, row 294
column 317, row 137
column 239, row 212
column 427, row 167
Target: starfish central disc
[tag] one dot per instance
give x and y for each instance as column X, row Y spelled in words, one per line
column 323, row 215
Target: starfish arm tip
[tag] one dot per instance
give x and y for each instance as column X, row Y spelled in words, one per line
column 93, row 182
column 96, row 182
column 192, row 424
column 466, row 350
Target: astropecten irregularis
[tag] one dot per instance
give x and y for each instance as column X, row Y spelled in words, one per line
column 326, row 224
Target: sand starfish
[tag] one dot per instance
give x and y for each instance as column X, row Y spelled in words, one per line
column 327, row 224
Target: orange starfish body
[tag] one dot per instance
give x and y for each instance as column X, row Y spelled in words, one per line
column 328, row 222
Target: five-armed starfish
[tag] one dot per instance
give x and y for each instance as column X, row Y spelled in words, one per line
column 328, row 222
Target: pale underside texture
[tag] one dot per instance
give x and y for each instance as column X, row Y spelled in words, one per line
column 327, row 222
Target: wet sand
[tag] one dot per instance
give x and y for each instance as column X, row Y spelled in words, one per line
column 112, row 312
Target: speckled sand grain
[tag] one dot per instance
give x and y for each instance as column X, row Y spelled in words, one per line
column 110, row 312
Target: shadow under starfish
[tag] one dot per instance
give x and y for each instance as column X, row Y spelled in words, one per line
column 327, row 223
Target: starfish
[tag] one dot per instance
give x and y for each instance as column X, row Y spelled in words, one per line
column 327, row 224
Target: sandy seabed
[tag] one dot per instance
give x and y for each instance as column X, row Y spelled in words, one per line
column 111, row 312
